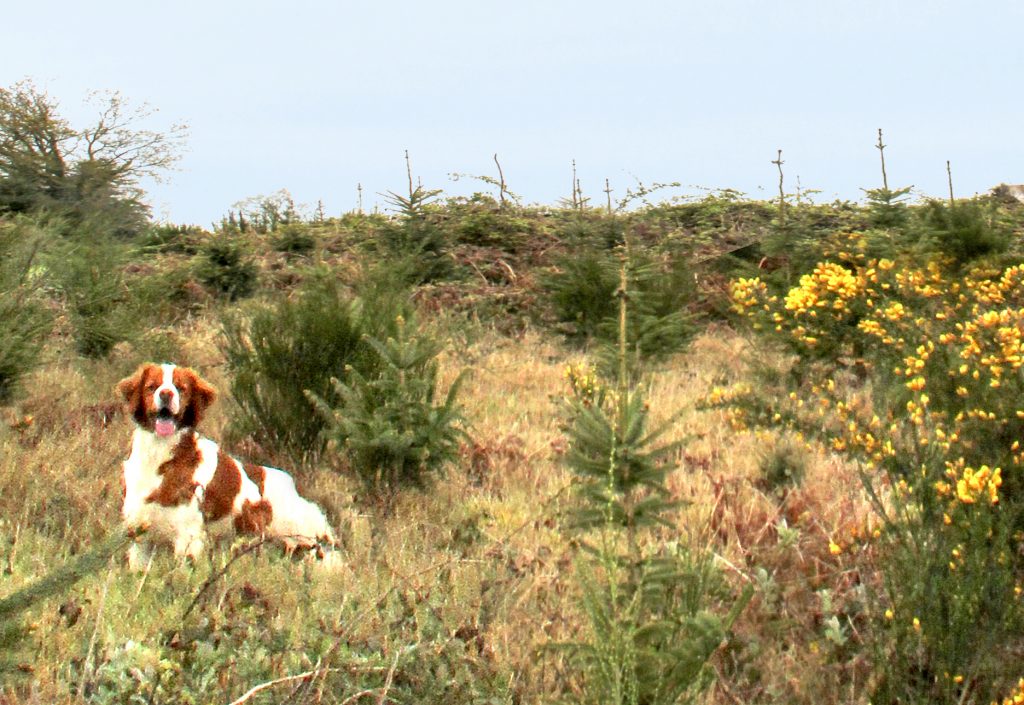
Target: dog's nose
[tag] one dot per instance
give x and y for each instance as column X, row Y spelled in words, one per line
column 166, row 395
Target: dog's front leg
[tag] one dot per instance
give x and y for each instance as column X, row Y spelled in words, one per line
column 139, row 555
column 190, row 538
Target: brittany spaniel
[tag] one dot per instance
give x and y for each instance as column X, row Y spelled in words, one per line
column 181, row 485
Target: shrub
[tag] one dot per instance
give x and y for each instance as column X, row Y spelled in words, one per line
column 393, row 432
column 26, row 321
column 962, row 231
column 225, row 269
column 417, row 236
column 937, row 434
column 89, row 272
column 298, row 344
column 783, row 465
column 652, row 626
column 583, row 296
column 172, row 238
column 294, row 239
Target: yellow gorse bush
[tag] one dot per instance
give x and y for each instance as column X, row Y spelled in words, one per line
column 914, row 373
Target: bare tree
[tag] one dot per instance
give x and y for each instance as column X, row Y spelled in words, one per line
column 45, row 162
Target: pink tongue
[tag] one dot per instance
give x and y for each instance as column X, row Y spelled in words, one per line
column 164, row 427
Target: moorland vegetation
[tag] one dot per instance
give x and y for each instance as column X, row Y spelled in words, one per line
column 655, row 450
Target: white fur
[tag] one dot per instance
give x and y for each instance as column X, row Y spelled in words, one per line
column 167, row 385
column 295, row 521
column 295, row 518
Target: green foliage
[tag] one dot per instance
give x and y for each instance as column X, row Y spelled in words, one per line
column 583, row 296
column 621, row 471
column 26, row 322
column 299, row 344
column 89, row 272
column 224, row 268
column 652, row 631
column 184, row 239
column 294, row 239
column 479, row 220
column 582, row 292
column 963, row 231
column 783, row 465
column 417, row 236
column 390, row 427
column 888, row 208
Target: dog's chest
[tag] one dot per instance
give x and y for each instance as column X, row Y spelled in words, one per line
column 149, row 499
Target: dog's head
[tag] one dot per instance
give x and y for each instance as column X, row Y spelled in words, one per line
column 166, row 398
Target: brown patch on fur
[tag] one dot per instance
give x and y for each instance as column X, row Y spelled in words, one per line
column 178, row 485
column 254, row 517
column 257, row 474
column 196, row 396
column 220, row 494
column 137, row 392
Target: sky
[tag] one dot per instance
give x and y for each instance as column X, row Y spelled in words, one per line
column 320, row 97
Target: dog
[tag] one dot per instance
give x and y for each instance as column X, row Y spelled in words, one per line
column 183, row 487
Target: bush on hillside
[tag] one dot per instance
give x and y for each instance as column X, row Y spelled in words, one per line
column 279, row 352
column 224, row 268
column 914, row 374
column 963, row 231
column 26, row 322
column 294, row 239
column 391, row 428
column 583, row 297
column 89, row 272
column 416, row 235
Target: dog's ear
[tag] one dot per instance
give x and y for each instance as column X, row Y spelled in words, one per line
column 201, row 395
column 130, row 391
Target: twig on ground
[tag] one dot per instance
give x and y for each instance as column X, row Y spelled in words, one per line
column 209, row 582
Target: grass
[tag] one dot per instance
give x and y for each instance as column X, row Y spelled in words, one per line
column 446, row 595
column 463, row 585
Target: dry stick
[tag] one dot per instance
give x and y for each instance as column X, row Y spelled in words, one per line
column 256, row 689
column 408, row 170
column 782, row 194
column 575, row 184
column 14, row 549
column 390, row 678
column 608, row 191
column 501, row 181
column 881, row 152
column 252, row 546
column 949, row 175
column 142, row 583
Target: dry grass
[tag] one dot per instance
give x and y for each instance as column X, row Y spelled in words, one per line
column 480, row 556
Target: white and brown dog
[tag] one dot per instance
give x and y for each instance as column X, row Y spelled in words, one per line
column 183, row 486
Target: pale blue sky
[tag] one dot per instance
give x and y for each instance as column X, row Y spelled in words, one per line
column 317, row 96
